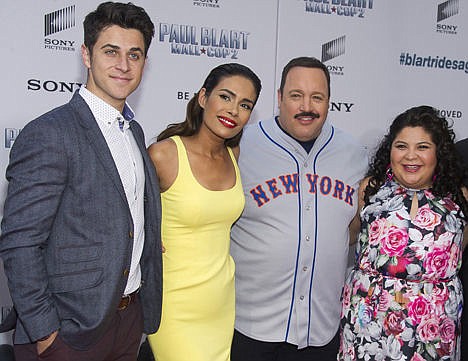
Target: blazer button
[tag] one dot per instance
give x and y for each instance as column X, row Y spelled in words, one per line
column 130, row 234
column 125, row 272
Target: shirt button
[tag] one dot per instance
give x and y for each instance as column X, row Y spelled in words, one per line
column 306, row 164
column 308, row 208
column 307, row 238
column 301, row 298
column 304, row 269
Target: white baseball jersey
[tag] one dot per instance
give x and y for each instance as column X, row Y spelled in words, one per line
column 291, row 243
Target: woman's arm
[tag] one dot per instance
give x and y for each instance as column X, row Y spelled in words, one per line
column 355, row 224
column 165, row 160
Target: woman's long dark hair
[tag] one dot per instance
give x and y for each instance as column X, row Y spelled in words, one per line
column 194, row 115
column 449, row 170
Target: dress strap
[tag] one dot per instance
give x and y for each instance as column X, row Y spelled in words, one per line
column 181, row 152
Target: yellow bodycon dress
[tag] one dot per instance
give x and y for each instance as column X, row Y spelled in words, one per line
column 198, row 272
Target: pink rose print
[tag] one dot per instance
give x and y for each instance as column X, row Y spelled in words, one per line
column 417, row 357
column 417, row 309
column 455, row 259
column 394, row 241
column 360, row 286
column 447, row 330
column 376, row 229
column 427, row 219
column 445, row 239
column 436, row 263
column 445, row 349
column 394, row 323
column 399, row 267
column 346, row 296
column 428, row 329
column 439, row 294
column 450, row 205
column 385, row 299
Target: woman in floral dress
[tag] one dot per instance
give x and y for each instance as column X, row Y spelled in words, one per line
column 403, row 300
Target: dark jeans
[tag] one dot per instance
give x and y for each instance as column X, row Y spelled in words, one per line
column 247, row 349
column 120, row 343
column 145, row 353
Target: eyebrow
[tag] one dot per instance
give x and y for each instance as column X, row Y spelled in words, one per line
column 234, row 94
column 116, row 47
column 302, row 92
column 418, row 143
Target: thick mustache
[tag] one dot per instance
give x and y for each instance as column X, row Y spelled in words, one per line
column 307, row 114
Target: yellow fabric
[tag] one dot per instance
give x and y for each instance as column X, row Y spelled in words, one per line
column 198, row 272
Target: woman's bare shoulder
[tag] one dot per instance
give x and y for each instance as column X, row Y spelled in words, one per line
column 164, row 157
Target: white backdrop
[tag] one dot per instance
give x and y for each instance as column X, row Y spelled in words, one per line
column 384, row 56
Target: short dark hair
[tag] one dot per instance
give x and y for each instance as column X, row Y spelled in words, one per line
column 127, row 16
column 194, row 115
column 306, row 62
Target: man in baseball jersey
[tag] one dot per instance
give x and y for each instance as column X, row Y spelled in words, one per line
column 300, row 176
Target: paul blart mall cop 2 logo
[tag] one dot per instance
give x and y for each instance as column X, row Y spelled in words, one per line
column 350, row 8
column 212, row 42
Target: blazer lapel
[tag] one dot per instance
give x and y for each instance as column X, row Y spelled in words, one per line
column 98, row 142
column 139, row 138
column 151, row 180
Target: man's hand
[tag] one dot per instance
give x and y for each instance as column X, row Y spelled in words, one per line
column 45, row 343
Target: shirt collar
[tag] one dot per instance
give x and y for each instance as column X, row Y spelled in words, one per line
column 307, row 145
column 106, row 113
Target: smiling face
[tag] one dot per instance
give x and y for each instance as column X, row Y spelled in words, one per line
column 303, row 104
column 413, row 158
column 115, row 64
column 228, row 107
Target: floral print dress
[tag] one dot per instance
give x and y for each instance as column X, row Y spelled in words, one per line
column 403, row 301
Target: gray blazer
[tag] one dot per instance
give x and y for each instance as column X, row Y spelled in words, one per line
column 67, row 231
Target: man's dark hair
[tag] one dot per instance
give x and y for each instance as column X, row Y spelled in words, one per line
column 306, row 62
column 127, row 16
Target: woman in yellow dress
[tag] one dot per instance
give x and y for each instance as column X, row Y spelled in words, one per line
column 202, row 196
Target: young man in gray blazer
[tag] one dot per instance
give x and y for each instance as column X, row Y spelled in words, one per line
column 81, row 228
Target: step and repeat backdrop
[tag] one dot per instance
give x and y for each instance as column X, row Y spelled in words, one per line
column 384, row 56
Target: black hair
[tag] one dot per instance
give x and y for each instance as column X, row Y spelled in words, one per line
column 449, row 169
column 194, row 114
